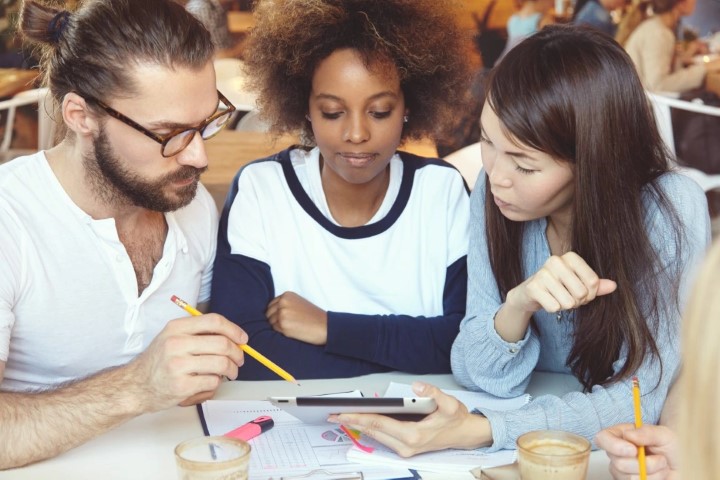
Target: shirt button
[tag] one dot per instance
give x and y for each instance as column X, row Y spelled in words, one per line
column 513, row 350
column 119, row 257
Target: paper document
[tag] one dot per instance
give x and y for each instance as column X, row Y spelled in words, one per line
column 444, row 461
column 291, row 449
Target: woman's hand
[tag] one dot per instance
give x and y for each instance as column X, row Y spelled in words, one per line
column 295, row 317
column 661, row 451
column 450, row 426
column 563, row 283
column 686, row 51
column 696, row 47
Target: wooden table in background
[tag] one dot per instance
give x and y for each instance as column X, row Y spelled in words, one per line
column 231, row 149
column 15, row 80
column 240, row 22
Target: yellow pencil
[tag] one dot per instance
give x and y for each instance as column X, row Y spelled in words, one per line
column 638, row 424
column 245, row 348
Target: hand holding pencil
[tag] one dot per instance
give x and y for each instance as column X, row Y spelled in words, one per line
column 621, row 442
column 637, row 450
column 244, row 347
column 184, row 364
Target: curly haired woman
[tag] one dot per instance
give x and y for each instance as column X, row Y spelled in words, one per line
column 345, row 256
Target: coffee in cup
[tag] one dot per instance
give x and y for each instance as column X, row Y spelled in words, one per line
column 553, row 455
column 213, row 458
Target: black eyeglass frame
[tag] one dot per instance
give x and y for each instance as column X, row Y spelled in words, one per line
column 163, row 140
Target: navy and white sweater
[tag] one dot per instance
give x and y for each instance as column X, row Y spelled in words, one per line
column 394, row 289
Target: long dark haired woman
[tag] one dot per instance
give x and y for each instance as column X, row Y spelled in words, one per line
column 581, row 237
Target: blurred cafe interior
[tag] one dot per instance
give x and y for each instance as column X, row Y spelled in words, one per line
column 688, row 114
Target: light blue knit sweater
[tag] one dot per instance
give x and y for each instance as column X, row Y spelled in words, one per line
column 482, row 360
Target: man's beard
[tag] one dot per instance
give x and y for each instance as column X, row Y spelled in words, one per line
column 116, row 185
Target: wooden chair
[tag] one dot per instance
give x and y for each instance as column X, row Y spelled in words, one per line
column 662, row 105
column 47, row 118
column 46, row 126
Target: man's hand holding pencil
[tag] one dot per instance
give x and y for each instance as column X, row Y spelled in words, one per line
column 243, row 345
column 186, row 362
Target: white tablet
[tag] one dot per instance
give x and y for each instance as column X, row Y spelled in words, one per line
column 315, row 410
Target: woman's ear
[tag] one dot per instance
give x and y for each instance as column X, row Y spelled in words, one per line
column 77, row 115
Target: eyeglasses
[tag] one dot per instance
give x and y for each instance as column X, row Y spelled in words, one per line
column 175, row 142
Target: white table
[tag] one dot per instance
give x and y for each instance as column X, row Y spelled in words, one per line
column 143, row 447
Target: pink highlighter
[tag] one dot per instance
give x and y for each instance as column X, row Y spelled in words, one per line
column 252, row 429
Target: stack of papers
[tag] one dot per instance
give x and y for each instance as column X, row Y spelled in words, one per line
column 445, row 461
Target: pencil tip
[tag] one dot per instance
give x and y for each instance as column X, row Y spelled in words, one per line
column 297, row 383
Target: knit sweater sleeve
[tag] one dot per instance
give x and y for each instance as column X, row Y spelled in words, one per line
column 480, row 358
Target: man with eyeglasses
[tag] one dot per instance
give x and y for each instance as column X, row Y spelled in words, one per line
column 98, row 233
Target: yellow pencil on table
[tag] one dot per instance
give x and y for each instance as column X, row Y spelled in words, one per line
column 638, row 424
column 245, row 348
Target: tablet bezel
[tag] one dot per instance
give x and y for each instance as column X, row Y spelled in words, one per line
column 316, row 410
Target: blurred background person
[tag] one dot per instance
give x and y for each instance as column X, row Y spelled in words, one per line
column 652, row 46
column 596, row 13
column 530, row 18
column 699, row 420
column 668, row 66
column 691, row 454
column 213, row 15
column 636, row 13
